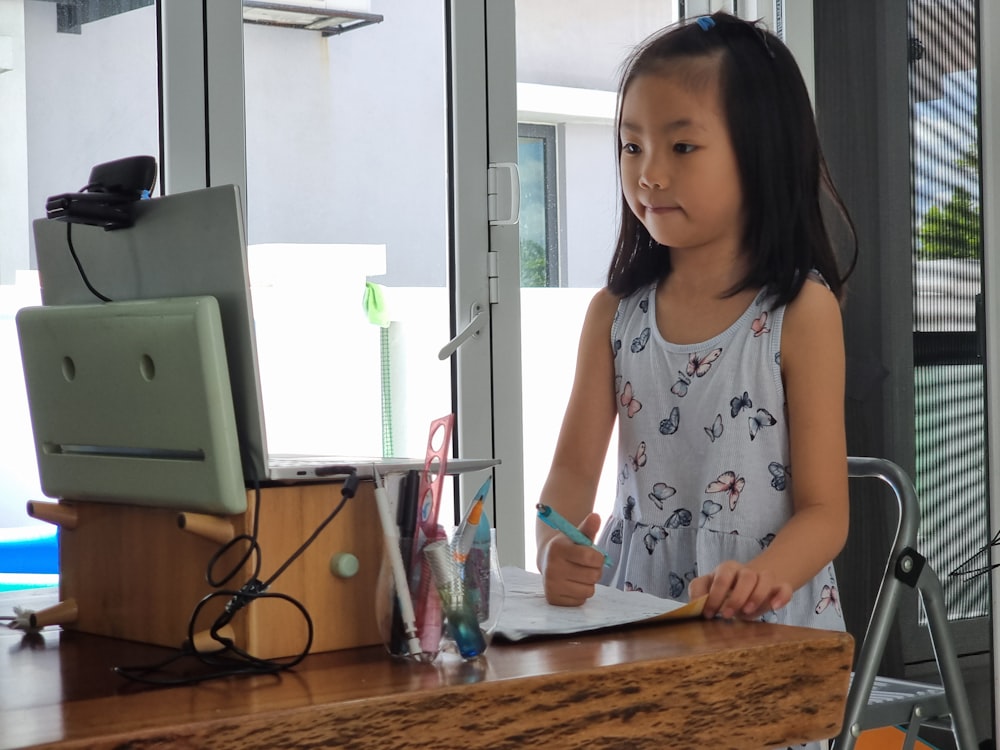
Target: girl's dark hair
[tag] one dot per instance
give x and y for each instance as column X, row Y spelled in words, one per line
column 782, row 170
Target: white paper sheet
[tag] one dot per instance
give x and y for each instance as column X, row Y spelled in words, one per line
column 526, row 613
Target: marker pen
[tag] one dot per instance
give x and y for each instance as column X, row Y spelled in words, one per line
column 548, row 515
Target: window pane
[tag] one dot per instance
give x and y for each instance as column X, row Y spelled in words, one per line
column 538, row 256
column 62, row 114
column 347, row 183
column 568, row 57
column 947, row 246
column 944, row 93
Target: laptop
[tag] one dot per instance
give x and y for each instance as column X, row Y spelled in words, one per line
column 193, row 244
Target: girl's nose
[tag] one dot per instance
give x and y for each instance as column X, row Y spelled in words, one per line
column 652, row 175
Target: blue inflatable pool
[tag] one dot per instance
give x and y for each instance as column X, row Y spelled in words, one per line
column 29, row 557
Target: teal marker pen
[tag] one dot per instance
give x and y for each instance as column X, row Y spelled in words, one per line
column 550, row 517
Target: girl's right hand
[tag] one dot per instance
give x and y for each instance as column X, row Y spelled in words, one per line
column 570, row 570
column 738, row 590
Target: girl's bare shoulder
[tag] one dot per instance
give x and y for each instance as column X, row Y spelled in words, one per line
column 814, row 304
column 604, row 301
column 602, row 309
column 812, row 336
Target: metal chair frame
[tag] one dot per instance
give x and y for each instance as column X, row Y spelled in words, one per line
column 875, row 701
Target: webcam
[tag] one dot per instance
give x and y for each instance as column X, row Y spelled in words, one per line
column 107, row 200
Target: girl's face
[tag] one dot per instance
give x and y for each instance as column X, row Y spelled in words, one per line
column 678, row 169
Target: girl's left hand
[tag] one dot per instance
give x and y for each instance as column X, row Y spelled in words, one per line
column 737, row 590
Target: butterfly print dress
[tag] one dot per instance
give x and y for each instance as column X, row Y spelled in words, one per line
column 703, row 472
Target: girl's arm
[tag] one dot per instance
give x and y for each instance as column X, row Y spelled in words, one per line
column 812, row 365
column 570, row 570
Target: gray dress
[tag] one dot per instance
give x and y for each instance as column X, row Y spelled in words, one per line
column 703, row 472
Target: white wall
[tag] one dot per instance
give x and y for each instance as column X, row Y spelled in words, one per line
column 91, row 97
column 590, row 202
column 582, row 43
column 18, row 475
column 13, row 136
column 320, row 110
column 551, row 321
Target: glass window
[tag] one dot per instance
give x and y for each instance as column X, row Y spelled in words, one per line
column 348, row 228
column 568, row 57
column 539, row 220
column 63, row 113
column 949, row 391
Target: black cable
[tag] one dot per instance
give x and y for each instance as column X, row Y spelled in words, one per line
column 72, row 250
column 79, row 266
column 252, row 547
column 973, row 567
column 307, row 542
column 230, row 660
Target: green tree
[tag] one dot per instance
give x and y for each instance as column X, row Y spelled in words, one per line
column 534, row 265
column 970, row 158
column 952, row 231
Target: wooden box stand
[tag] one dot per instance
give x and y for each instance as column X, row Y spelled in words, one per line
column 138, row 573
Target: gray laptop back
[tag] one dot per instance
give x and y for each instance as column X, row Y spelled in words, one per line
column 130, row 402
column 183, row 245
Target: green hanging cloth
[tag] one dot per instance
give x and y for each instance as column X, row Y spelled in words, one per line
column 374, row 305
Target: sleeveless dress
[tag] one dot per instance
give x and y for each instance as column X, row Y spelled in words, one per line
column 704, row 472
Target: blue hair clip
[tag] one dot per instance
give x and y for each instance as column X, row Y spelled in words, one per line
column 705, row 22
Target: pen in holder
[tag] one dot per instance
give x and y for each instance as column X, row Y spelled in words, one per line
column 468, row 589
column 462, row 623
column 477, row 570
column 419, row 639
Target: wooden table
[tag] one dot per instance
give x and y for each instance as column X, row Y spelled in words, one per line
column 686, row 684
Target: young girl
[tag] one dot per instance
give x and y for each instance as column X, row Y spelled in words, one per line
column 717, row 345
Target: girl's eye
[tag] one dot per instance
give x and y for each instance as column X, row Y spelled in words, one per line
column 630, row 148
column 683, row 148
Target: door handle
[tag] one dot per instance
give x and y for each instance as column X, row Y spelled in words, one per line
column 471, row 329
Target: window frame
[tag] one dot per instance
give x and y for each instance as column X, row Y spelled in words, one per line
column 989, row 60
column 548, row 134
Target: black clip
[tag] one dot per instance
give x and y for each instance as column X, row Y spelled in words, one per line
column 909, row 566
column 250, row 591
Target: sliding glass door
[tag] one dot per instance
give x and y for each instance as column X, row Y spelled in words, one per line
column 359, row 133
